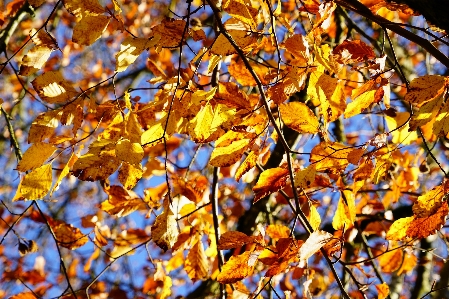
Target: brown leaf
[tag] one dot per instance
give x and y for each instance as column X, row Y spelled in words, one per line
column 353, row 51
column 165, row 230
column 196, row 264
column 233, row 239
column 270, row 181
column 237, row 268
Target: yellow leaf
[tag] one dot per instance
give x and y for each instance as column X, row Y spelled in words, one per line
column 203, row 95
column 65, row 171
column 81, row 8
column 304, row 178
column 360, row 103
column 230, row 154
column 402, row 135
column 35, row 156
column 129, row 152
column 330, row 94
column 171, row 32
column 270, row 181
column 242, row 10
column 89, row 29
column 125, row 241
column 398, row 230
column 392, row 260
column 249, row 162
column 52, row 88
column 98, row 163
column 213, row 62
column 314, row 218
column 345, row 215
column 330, row 156
column 200, row 127
column 196, row 264
column 37, row 183
column 236, row 268
column 441, row 125
column 314, row 242
column 425, row 88
column 240, row 33
column 426, row 113
column 130, row 49
column 299, row 117
column 165, row 230
column 428, row 203
column 129, row 175
column 166, row 289
column 43, row 126
column 383, row 290
column 35, row 59
column 233, row 239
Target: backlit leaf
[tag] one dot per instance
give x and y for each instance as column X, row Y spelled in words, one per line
column 35, row 156
column 345, row 215
column 428, row 203
column 130, row 49
column 241, row 10
column 383, row 290
column 270, row 181
column 233, row 239
column 129, row 174
column 164, row 231
column 67, row 235
column 170, row 32
column 398, row 230
column 236, row 268
column 129, row 152
column 299, row 117
column 353, row 51
column 249, row 162
column 314, row 242
column 120, row 203
column 403, row 134
column 392, row 260
column 89, row 29
column 425, row 88
column 304, row 178
column 52, row 87
column 331, row 156
column 240, row 33
column 37, row 183
column 277, row 231
column 229, row 154
column 422, row 227
column 196, row 264
column 360, row 103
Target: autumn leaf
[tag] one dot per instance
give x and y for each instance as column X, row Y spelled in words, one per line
column 237, row 268
column 277, row 231
column 270, row 181
column 164, row 231
column 233, row 239
column 345, row 215
column 37, row 183
column 53, row 88
column 305, row 177
column 383, row 290
column 391, row 261
column 398, row 230
column 422, row 227
column 299, row 117
column 35, row 156
column 130, row 49
column 196, row 264
column 37, row 56
column 332, row 157
column 241, row 10
column 353, row 52
column 229, row 154
column 239, row 31
column 249, row 162
column 287, row 253
column 425, row 88
column 67, row 235
column 120, row 202
column 314, row 242
column 89, row 29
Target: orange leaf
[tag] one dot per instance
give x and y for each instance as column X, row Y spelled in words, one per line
column 383, row 290
column 425, row 88
column 353, row 51
column 67, row 235
column 233, row 239
column 277, row 231
column 426, row 226
column 287, row 249
column 237, row 268
column 392, row 260
column 249, row 162
column 299, row 117
column 196, row 264
column 330, row 156
column 270, row 181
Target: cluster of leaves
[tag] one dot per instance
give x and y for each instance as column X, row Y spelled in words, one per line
column 264, row 146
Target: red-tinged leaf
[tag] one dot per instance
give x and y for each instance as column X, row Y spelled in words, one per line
column 27, row 295
column 426, row 226
column 353, row 52
column 233, row 239
column 237, row 268
column 270, row 181
column 67, row 235
column 383, row 290
column 425, row 88
column 287, row 251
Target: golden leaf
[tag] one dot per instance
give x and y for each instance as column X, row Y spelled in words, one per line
column 65, row 171
column 130, row 49
column 249, row 162
column 52, row 88
column 89, row 29
column 164, row 231
column 402, row 135
column 43, row 126
column 242, row 10
column 392, row 260
column 25, row 295
column 305, row 178
column 314, row 218
column 98, row 163
column 73, row 113
column 196, row 264
column 229, row 154
column 270, row 181
column 236, row 268
column 299, row 47
column 428, row 203
column 67, row 235
column 129, row 152
column 383, row 290
column 422, row 227
column 345, row 215
column 330, row 157
column 238, row 70
column 171, row 32
column 277, row 231
column 125, row 241
column 120, row 202
column 398, row 230
column 330, row 94
column 35, row 156
column 425, row 88
column 441, row 125
column 240, row 33
column 35, row 59
column 299, row 117
column 81, row 8
column 360, row 103
column 37, row 183
column 129, row 174
column 233, row 239
column 426, row 113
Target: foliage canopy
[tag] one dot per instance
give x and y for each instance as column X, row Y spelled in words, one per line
column 272, row 148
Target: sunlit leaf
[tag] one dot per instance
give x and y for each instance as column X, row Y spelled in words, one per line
column 270, row 181
column 299, row 117
column 130, row 49
column 37, row 183
column 236, row 268
column 305, row 177
column 230, row 154
column 313, row 243
column 196, row 264
column 165, row 230
column 331, row 157
column 400, row 125
column 233, row 239
column 241, row 35
column 249, row 162
column 67, row 235
column 241, row 10
column 425, row 88
column 120, row 203
column 353, row 51
column 52, row 87
column 35, row 156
